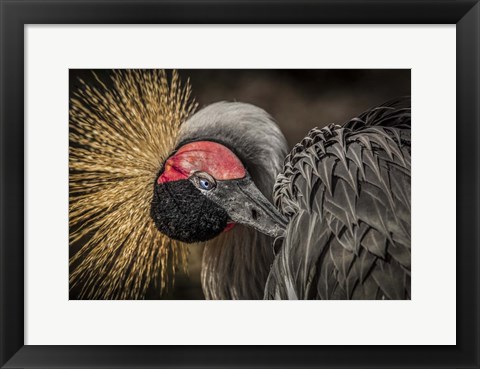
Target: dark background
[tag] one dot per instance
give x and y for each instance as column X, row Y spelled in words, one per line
column 298, row 99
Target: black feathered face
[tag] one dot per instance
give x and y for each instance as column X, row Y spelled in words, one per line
column 182, row 212
column 203, row 190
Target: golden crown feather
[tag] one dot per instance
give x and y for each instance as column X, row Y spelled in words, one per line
column 121, row 131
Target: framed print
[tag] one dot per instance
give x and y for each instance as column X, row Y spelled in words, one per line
column 260, row 156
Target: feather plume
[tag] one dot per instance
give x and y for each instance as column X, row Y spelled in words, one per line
column 121, row 131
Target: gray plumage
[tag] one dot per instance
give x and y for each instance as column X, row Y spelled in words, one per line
column 235, row 264
column 346, row 190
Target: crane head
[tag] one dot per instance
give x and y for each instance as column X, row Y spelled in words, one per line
column 203, row 189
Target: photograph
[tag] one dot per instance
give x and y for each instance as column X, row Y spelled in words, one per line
column 239, row 184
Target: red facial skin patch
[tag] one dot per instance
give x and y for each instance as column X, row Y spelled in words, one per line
column 203, row 156
column 229, row 227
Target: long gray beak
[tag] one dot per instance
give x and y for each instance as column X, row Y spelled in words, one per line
column 245, row 204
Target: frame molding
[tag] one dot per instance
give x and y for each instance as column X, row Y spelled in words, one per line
column 15, row 14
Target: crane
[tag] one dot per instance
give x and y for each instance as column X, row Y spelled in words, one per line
column 343, row 196
column 339, row 229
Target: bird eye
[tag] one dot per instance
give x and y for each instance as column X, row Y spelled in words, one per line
column 205, row 184
column 203, row 181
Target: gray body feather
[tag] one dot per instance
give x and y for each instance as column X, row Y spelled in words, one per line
column 346, row 190
column 235, row 264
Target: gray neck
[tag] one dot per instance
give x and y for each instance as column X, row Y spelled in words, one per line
column 236, row 263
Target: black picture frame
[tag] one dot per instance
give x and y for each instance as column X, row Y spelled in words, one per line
column 15, row 14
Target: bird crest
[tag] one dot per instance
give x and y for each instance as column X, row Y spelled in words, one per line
column 121, row 130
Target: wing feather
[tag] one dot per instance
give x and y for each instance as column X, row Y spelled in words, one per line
column 346, row 190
